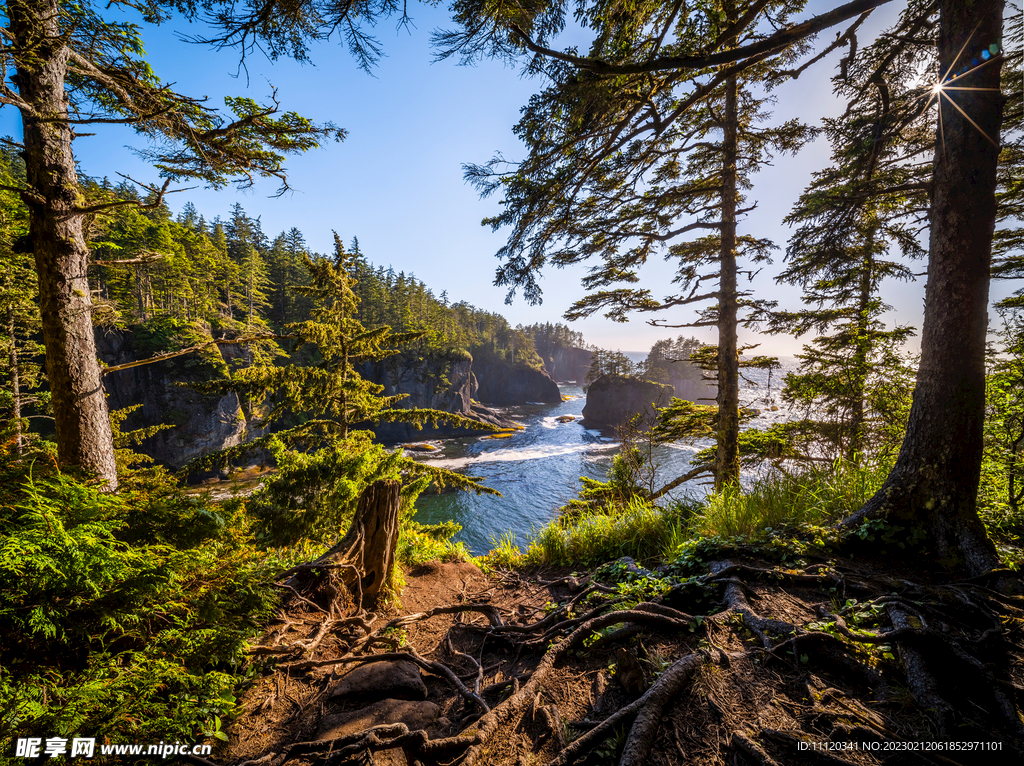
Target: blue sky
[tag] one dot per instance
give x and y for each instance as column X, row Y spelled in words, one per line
column 396, row 182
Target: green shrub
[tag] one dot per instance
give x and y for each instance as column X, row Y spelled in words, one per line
column 116, row 629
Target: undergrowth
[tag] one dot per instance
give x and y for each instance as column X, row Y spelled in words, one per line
column 612, row 519
column 818, row 496
column 123, row 616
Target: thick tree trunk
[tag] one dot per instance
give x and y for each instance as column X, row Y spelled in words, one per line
column 365, row 556
column 80, row 410
column 933, row 486
column 15, row 383
column 727, row 469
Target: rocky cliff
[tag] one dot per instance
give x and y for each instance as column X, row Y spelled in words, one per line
column 503, row 384
column 613, row 399
column 696, row 391
column 202, row 423
column 441, row 382
column 565, row 364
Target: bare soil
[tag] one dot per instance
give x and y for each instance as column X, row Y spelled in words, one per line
column 748, row 663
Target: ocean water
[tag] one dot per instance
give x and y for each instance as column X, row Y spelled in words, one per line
column 538, row 469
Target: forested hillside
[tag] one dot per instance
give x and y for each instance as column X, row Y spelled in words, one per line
column 164, row 283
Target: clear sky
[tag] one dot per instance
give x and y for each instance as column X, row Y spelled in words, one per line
column 396, row 182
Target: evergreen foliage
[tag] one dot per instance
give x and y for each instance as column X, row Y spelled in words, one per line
column 858, row 224
column 623, row 169
column 124, row 616
column 328, row 458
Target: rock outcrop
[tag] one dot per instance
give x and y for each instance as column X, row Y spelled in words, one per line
column 202, row 423
column 696, row 391
column 568, row 364
column 441, row 382
column 613, row 399
column 504, row 384
column 205, row 423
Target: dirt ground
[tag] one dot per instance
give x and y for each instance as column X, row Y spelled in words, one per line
column 747, row 663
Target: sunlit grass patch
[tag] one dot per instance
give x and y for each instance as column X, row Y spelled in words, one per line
column 635, row 528
column 504, row 554
column 420, row 543
column 819, row 496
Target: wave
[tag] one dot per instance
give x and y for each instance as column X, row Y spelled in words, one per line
column 515, row 455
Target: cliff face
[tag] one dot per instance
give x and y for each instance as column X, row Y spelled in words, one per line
column 687, row 379
column 206, row 423
column 614, row 399
column 440, row 383
column 202, row 423
column 696, row 391
column 502, row 384
column 568, row 364
column 432, row 382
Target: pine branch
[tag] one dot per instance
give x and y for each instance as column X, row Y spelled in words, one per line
column 772, row 44
column 192, row 349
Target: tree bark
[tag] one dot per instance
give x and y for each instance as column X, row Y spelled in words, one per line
column 365, row 556
column 84, row 436
column 727, row 470
column 934, row 483
column 15, row 383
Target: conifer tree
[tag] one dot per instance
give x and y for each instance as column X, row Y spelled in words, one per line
column 326, row 460
column 615, row 173
column 868, row 203
column 18, row 310
column 71, row 66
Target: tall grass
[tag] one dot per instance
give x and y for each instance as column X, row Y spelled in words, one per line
column 634, row 528
column 588, row 534
column 818, row 496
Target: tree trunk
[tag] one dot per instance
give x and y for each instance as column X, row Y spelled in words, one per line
column 933, row 486
column 80, row 410
column 15, row 383
column 861, row 353
column 365, row 556
column 727, row 469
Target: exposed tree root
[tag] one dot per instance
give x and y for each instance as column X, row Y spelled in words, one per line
column 782, row 669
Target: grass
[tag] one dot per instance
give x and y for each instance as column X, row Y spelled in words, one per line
column 594, row 533
column 420, row 543
column 504, row 554
column 635, row 528
column 818, row 497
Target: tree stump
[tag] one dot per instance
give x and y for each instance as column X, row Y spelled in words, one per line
column 364, row 558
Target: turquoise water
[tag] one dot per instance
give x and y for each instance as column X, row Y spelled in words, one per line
column 538, row 469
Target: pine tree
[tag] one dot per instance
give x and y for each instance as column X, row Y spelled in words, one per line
column 73, row 67
column 326, row 461
column 614, row 173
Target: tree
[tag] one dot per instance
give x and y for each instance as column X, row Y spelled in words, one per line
column 934, row 483
column 605, row 362
column 329, row 457
column 612, row 173
column 70, row 66
column 1004, row 422
column 18, row 311
column 850, row 217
